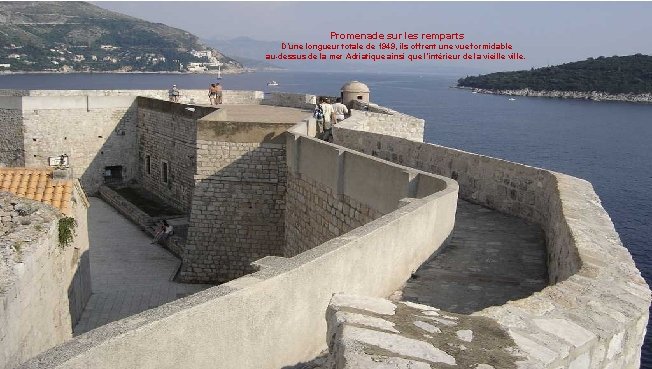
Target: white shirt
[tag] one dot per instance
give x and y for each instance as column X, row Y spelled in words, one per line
column 340, row 109
column 328, row 111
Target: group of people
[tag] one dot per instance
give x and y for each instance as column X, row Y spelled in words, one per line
column 214, row 94
column 327, row 115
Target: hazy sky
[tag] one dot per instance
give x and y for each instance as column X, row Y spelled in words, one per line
column 546, row 32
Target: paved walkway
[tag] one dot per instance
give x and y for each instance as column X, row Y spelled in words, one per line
column 128, row 274
column 491, row 258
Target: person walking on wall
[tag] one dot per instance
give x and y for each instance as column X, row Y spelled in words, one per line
column 218, row 93
column 173, row 94
column 212, row 94
column 340, row 110
column 328, row 119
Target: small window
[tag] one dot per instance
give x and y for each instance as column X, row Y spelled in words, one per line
column 165, row 172
column 113, row 174
column 148, row 164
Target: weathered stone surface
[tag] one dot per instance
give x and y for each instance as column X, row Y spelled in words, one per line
column 399, row 345
column 344, row 317
column 565, row 329
column 427, row 327
column 489, row 345
column 363, row 361
column 465, row 335
column 369, row 304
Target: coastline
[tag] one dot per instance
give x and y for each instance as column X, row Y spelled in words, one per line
column 581, row 95
column 225, row 71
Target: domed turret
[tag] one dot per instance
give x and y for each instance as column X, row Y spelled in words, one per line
column 355, row 90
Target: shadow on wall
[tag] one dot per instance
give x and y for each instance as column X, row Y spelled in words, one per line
column 116, row 159
column 237, row 214
column 79, row 291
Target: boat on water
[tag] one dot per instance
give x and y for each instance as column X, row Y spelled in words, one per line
column 272, row 83
column 474, row 92
column 511, row 99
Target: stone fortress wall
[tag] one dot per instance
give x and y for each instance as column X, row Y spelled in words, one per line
column 167, row 135
column 595, row 311
column 43, row 286
column 593, row 315
column 277, row 313
column 238, row 207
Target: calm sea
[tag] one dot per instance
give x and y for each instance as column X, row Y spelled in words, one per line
column 606, row 143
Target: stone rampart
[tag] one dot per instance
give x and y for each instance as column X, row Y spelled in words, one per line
column 368, row 117
column 237, row 209
column 167, row 139
column 238, row 206
column 44, row 286
column 595, row 311
column 331, row 191
column 188, row 96
column 275, row 317
column 292, row 100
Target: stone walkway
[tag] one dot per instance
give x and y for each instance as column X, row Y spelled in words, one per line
column 128, row 274
column 491, row 258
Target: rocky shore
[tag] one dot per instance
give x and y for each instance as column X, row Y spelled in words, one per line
column 593, row 95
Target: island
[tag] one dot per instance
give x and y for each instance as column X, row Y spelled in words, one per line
column 616, row 78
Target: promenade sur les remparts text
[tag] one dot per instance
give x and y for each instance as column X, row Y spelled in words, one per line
column 401, row 46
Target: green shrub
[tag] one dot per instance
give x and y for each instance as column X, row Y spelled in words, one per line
column 67, row 232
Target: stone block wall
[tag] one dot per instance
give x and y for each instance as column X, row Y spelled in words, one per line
column 43, row 286
column 238, row 209
column 315, row 214
column 292, row 100
column 12, row 151
column 167, row 135
column 95, row 134
column 373, row 118
column 124, row 207
column 13, row 92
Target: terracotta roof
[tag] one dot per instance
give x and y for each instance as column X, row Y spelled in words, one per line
column 37, row 184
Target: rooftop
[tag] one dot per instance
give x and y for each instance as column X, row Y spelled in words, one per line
column 37, row 184
column 259, row 114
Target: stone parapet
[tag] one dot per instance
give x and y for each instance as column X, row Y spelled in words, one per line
column 371, row 118
column 292, row 100
column 595, row 311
